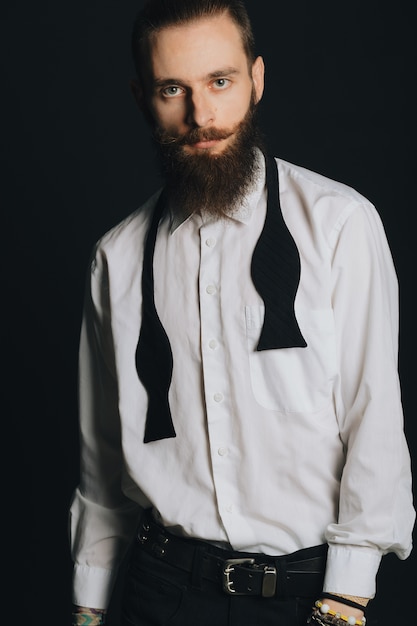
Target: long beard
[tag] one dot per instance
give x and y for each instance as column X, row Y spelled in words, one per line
column 214, row 184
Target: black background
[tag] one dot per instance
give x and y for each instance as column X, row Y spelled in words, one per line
column 77, row 158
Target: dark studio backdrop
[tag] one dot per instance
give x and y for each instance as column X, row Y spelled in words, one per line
column 77, row 158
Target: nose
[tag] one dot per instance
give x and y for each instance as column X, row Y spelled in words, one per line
column 200, row 110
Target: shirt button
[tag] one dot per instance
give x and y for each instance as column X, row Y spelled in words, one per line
column 210, row 242
column 229, row 508
column 213, row 344
column 211, row 289
column 218, row 397
column 223, row 451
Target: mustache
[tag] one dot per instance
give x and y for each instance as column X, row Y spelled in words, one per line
column 192, row 136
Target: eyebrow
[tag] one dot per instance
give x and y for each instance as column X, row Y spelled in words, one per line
column 165, row 82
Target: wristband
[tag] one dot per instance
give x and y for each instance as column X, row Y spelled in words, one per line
column 82, row 616
column 345, row 600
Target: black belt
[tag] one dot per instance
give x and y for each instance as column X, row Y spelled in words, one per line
column 298, row 574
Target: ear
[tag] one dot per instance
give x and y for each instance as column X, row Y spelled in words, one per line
column 258, row 77
column 137, row 91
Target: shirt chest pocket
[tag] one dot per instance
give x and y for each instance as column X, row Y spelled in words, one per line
column 293, row 379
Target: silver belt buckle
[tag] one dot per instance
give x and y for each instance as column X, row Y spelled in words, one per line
column 228, row 569
column 269, row 582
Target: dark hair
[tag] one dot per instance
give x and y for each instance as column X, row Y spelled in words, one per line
column 158, row 14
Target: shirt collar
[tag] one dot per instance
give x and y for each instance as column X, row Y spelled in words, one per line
column 247, row 207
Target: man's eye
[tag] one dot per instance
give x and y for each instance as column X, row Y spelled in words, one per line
column 171, row 91
column 221, row 83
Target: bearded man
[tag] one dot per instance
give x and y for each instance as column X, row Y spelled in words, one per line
column 241, row 421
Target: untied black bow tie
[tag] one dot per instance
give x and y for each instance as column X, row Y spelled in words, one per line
column 275, row 273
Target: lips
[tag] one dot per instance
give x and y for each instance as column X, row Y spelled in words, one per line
column 204, row 139
column 205, row 144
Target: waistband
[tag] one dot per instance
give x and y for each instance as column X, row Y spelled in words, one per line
column 300, row 573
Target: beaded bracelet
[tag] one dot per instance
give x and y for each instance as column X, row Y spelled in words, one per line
column 327, row 620
column 325, row 616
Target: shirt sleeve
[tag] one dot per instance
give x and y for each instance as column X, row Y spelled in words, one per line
column 102, row 518
column 376, row 513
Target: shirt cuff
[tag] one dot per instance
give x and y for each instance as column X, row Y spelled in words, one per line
column 92, row 586
column 352, row 571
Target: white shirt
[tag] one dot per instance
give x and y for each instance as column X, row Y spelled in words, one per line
column 275, row 450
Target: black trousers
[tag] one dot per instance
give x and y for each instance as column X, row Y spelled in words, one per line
column 158, row 593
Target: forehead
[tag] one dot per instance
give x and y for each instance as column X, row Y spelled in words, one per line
column 196, row 48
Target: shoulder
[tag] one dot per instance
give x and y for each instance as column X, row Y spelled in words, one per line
column 297, row 176
column 119, row 251
column 322, row 203
column 131, row 230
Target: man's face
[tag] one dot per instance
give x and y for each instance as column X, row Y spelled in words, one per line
column 199, row 85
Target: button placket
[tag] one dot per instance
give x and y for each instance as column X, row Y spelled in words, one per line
column 210, row 304
column 214, row 365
